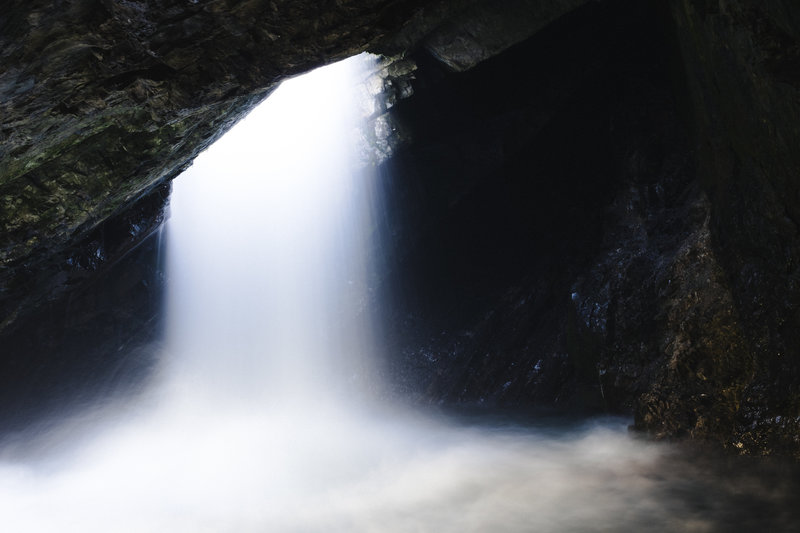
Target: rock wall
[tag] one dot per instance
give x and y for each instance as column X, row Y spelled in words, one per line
column 103, row 101
column 101, row 337
column 539, row 196
column 738, row 78
column 600, row 219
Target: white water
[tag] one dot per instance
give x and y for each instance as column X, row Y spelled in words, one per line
column 267, row 241
column 252, row 426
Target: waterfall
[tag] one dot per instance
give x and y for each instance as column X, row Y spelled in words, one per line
column 256, row 420
column 268, row 244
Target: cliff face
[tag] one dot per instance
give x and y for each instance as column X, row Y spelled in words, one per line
column 601, row 217
column 550, row 234
column 740, row 63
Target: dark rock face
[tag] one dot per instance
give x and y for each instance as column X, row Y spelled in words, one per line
column 741, row 62
column 539, row 189
column 462, row 34
column 104, row 101
column 96, row 334
column 602, row 217
column 568, row 236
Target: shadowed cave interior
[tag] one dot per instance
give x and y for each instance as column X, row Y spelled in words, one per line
column 585, row 218
column 556, row 235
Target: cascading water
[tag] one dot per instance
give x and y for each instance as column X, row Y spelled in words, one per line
column 251, row 424
column 263, row 249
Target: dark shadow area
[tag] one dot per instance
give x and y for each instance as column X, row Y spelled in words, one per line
column 98, row 333
column 508, row 193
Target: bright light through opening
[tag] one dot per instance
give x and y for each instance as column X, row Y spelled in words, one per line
column 275, row 215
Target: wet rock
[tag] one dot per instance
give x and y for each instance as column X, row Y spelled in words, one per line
column 739, row 79
column 101, row 102
column 629, row 247
column 501, row 200
column 463, row 34
column 92, row 330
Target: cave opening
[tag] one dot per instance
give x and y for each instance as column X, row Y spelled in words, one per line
column 218, row 439
column 589, row 222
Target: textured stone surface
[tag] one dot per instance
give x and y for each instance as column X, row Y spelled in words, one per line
column 740, row 66
column 595, row 235
column 102, row 101
column 462, row 34
column 515, row 184
column 100, row 338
